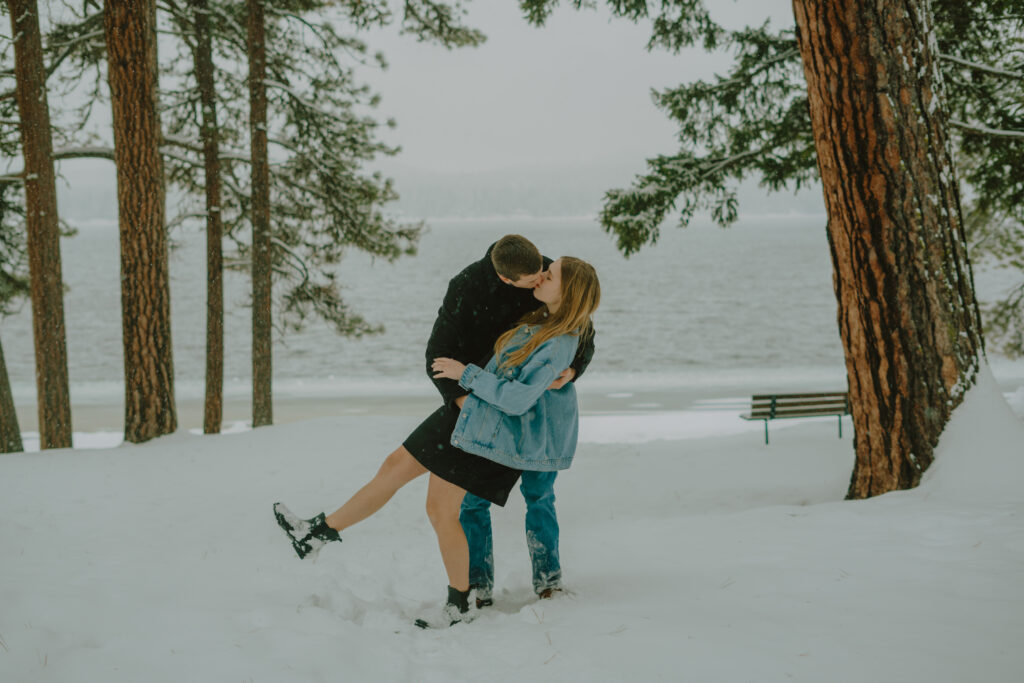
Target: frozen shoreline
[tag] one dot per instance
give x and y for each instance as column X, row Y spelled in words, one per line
column 99, row 425
column 606, row 417
column 99, row 408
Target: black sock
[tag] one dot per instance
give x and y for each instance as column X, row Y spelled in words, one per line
column 321, row 530
column 459, row 598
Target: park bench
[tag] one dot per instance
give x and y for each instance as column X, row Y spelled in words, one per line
column 781, row 406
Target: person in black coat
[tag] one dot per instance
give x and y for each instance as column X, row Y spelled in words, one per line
column 482, row 302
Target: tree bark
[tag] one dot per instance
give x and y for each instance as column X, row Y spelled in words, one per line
column 213, row 407
column 262, row 405
column 907, row 311
column 46, row 281
column 145, row 290
column 10, row 433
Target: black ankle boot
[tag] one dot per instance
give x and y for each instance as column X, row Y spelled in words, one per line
column 308, row 536
column 455, row 611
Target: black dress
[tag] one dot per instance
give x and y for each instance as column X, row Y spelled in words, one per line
column 430, row 444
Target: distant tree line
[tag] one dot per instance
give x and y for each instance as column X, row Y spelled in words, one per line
column 255, row 113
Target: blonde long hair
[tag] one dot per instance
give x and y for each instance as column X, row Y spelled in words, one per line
column 581, row 295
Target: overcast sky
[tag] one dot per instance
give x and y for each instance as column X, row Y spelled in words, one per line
column 573, row 94
column 577, row 90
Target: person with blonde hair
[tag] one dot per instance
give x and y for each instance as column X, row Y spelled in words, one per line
column 510, row 421
column 484, row 301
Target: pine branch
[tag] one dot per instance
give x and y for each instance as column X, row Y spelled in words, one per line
column 984, row 68
column 747, row 76
column 185, row 143
column 430, row 20
column 300, row 99
column 70, row 46
column 65, row 153
column 84, row 153
column 297, row 262
column 985, row 130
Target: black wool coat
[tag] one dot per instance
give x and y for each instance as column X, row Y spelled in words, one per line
column 477, row 309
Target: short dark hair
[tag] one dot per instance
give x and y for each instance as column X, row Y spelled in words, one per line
column 514, row 256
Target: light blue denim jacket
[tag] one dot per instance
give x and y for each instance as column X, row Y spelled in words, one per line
column 510, row 417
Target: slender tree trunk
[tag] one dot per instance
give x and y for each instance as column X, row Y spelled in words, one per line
column 145, row 290
column 213, row 409
column 262, row 405
column 907, row 312
column 47, row 287
column 10, row 433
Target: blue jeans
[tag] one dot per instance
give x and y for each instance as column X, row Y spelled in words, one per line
column 538, row 489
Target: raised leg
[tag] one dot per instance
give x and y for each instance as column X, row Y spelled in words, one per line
column 397, row 470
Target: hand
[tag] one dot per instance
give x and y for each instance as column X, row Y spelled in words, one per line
column 447, row 368
column 563, row 379
column 459, row 401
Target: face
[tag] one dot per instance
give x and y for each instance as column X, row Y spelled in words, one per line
column 526, row 281
column 549, row 289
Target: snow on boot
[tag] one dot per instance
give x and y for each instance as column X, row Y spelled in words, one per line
column 308, row 536
column 455, row 611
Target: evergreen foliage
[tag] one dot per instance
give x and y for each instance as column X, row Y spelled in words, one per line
column 321, row 201
column 982, row 43
column 322, row 135
column 13, row 256
column 73, row 50
column 753, row 121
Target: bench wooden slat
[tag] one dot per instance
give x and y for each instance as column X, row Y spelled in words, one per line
column 841, row 402
column 757, row 397
column 809, row 412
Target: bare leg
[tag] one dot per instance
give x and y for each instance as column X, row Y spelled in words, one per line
column 398, row 469
column 444, row 500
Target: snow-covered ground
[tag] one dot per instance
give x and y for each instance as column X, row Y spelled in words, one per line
column 692, row 552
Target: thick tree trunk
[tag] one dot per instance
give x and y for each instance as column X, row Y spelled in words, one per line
column 907, row 311
column 145, row 289
column 213, row 408
column 10, row 433
column 262, row 405
column 47, row 288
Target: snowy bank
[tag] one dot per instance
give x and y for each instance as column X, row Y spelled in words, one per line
column 701, row 555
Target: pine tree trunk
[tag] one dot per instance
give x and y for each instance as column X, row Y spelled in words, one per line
column 213, row 408
column 145, row 289
column 262, row 405
column 10, row 433
column 907, row 312
column 47, row 288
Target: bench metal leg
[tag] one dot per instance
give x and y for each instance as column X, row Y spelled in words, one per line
column 840, row 426
column 766, row 432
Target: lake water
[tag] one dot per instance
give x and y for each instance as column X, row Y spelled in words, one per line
column 705, row 306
